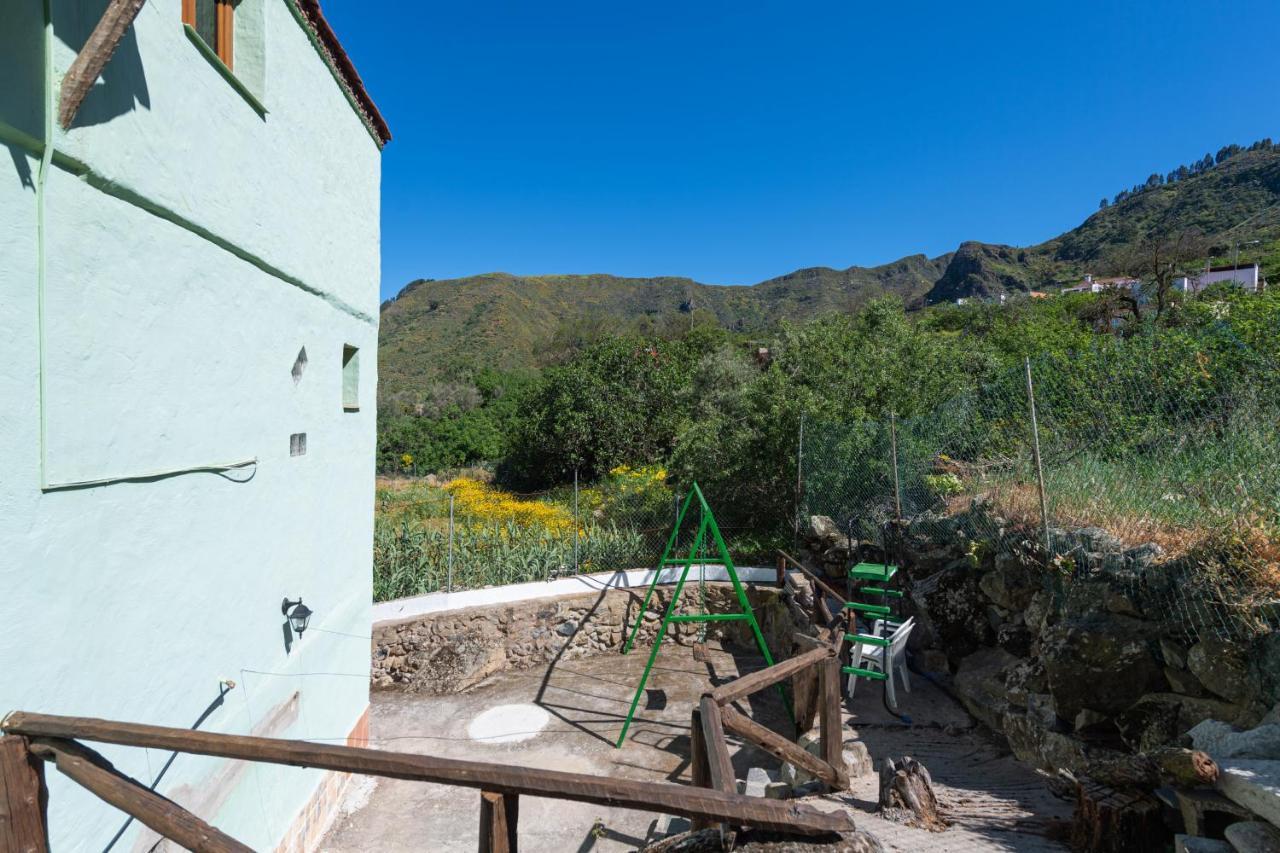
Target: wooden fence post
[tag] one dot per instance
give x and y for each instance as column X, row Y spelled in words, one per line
column 498, row 816
column 23, row 798
column 698, row 767
column 831, row 733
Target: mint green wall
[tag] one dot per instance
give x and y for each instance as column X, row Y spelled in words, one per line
column 191, row 248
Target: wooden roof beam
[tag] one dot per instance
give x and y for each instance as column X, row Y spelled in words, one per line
column 94, row 56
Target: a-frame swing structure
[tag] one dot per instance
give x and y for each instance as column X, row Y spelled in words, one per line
column 708, row 530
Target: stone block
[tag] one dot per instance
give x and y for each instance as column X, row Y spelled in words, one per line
column 1191, row 844
column 1183, row 682
column 1220, row 666
column 1174, row 654
column 1252, row 784
column 1222, row 741
column 1102, row 662
column 857, row 759
column 777, row 791
column 757, row 781
column 1252, row 836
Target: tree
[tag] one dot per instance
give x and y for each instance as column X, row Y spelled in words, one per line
column 1158, row 260
column 1104, row 204
column 1153, row 181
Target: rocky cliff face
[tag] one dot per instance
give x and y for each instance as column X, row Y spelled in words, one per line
column 983, row 271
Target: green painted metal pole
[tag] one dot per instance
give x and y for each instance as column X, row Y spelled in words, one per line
column 742, row 598
column 666, row 552
column 657, row 643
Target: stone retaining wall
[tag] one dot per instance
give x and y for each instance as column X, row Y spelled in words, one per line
column 456, row 650
column 1076, row 671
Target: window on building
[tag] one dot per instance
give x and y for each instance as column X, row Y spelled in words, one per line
column 350, row 378
column 214, row 20
column 298, row 444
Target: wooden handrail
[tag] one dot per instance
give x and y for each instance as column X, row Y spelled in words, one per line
column 762, row 678
column 839, row 596
column 660, row 797
column 782, row 748
column 92, row 771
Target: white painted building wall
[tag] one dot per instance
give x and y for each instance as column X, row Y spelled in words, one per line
column 1248, row 277
column 191, row 248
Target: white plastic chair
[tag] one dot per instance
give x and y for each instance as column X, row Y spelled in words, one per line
column 870, row 656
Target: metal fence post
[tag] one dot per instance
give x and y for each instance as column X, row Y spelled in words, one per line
column 449, row 588
column 1035, row 450
column 795, row 527
column 893, row 449
column 576, row 567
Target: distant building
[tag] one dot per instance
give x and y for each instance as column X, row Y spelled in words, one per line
column 1248, row 276
column 1098, row 285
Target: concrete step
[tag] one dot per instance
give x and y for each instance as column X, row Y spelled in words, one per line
column 1253, row 836
column 1192, row 844
column 1252, row 784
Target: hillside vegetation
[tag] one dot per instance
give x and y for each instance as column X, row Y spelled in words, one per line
column 450, row 331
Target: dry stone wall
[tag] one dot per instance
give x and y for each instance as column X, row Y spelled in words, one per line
column 1076, row 671
column 456, row 650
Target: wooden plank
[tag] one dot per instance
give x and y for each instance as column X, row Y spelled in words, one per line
column 781, row 748
column 762, row 678
column 664, row 798
column 698, row 768
column 832, row 728
column 719, row 767
column 23, row 798
column 499, row 814
column 166, row 817
column 93, row 57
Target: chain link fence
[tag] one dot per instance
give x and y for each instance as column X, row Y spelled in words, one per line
column 1154, row 462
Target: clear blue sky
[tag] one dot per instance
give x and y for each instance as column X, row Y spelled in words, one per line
column 732, row 142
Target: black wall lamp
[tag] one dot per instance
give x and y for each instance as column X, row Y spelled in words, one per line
column 298, row 614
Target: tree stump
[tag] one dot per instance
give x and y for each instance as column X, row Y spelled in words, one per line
column 907, row 797
column 1115, row 820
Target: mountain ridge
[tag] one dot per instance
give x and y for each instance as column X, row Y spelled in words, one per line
column 443, row 330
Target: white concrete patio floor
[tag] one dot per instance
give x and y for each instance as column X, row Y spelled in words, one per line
column 994, row 802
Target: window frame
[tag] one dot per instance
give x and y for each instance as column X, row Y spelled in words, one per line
column 224, row 28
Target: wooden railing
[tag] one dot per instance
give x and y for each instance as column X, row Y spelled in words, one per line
column 31, row 739
column 716, row 715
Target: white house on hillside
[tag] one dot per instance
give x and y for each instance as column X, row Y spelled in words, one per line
column 1248, row 276
column 1098, row 285
column 189, row 269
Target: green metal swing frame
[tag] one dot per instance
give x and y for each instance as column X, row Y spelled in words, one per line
column 705, row 526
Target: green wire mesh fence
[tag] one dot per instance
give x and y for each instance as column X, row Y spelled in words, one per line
column 1158, row 462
